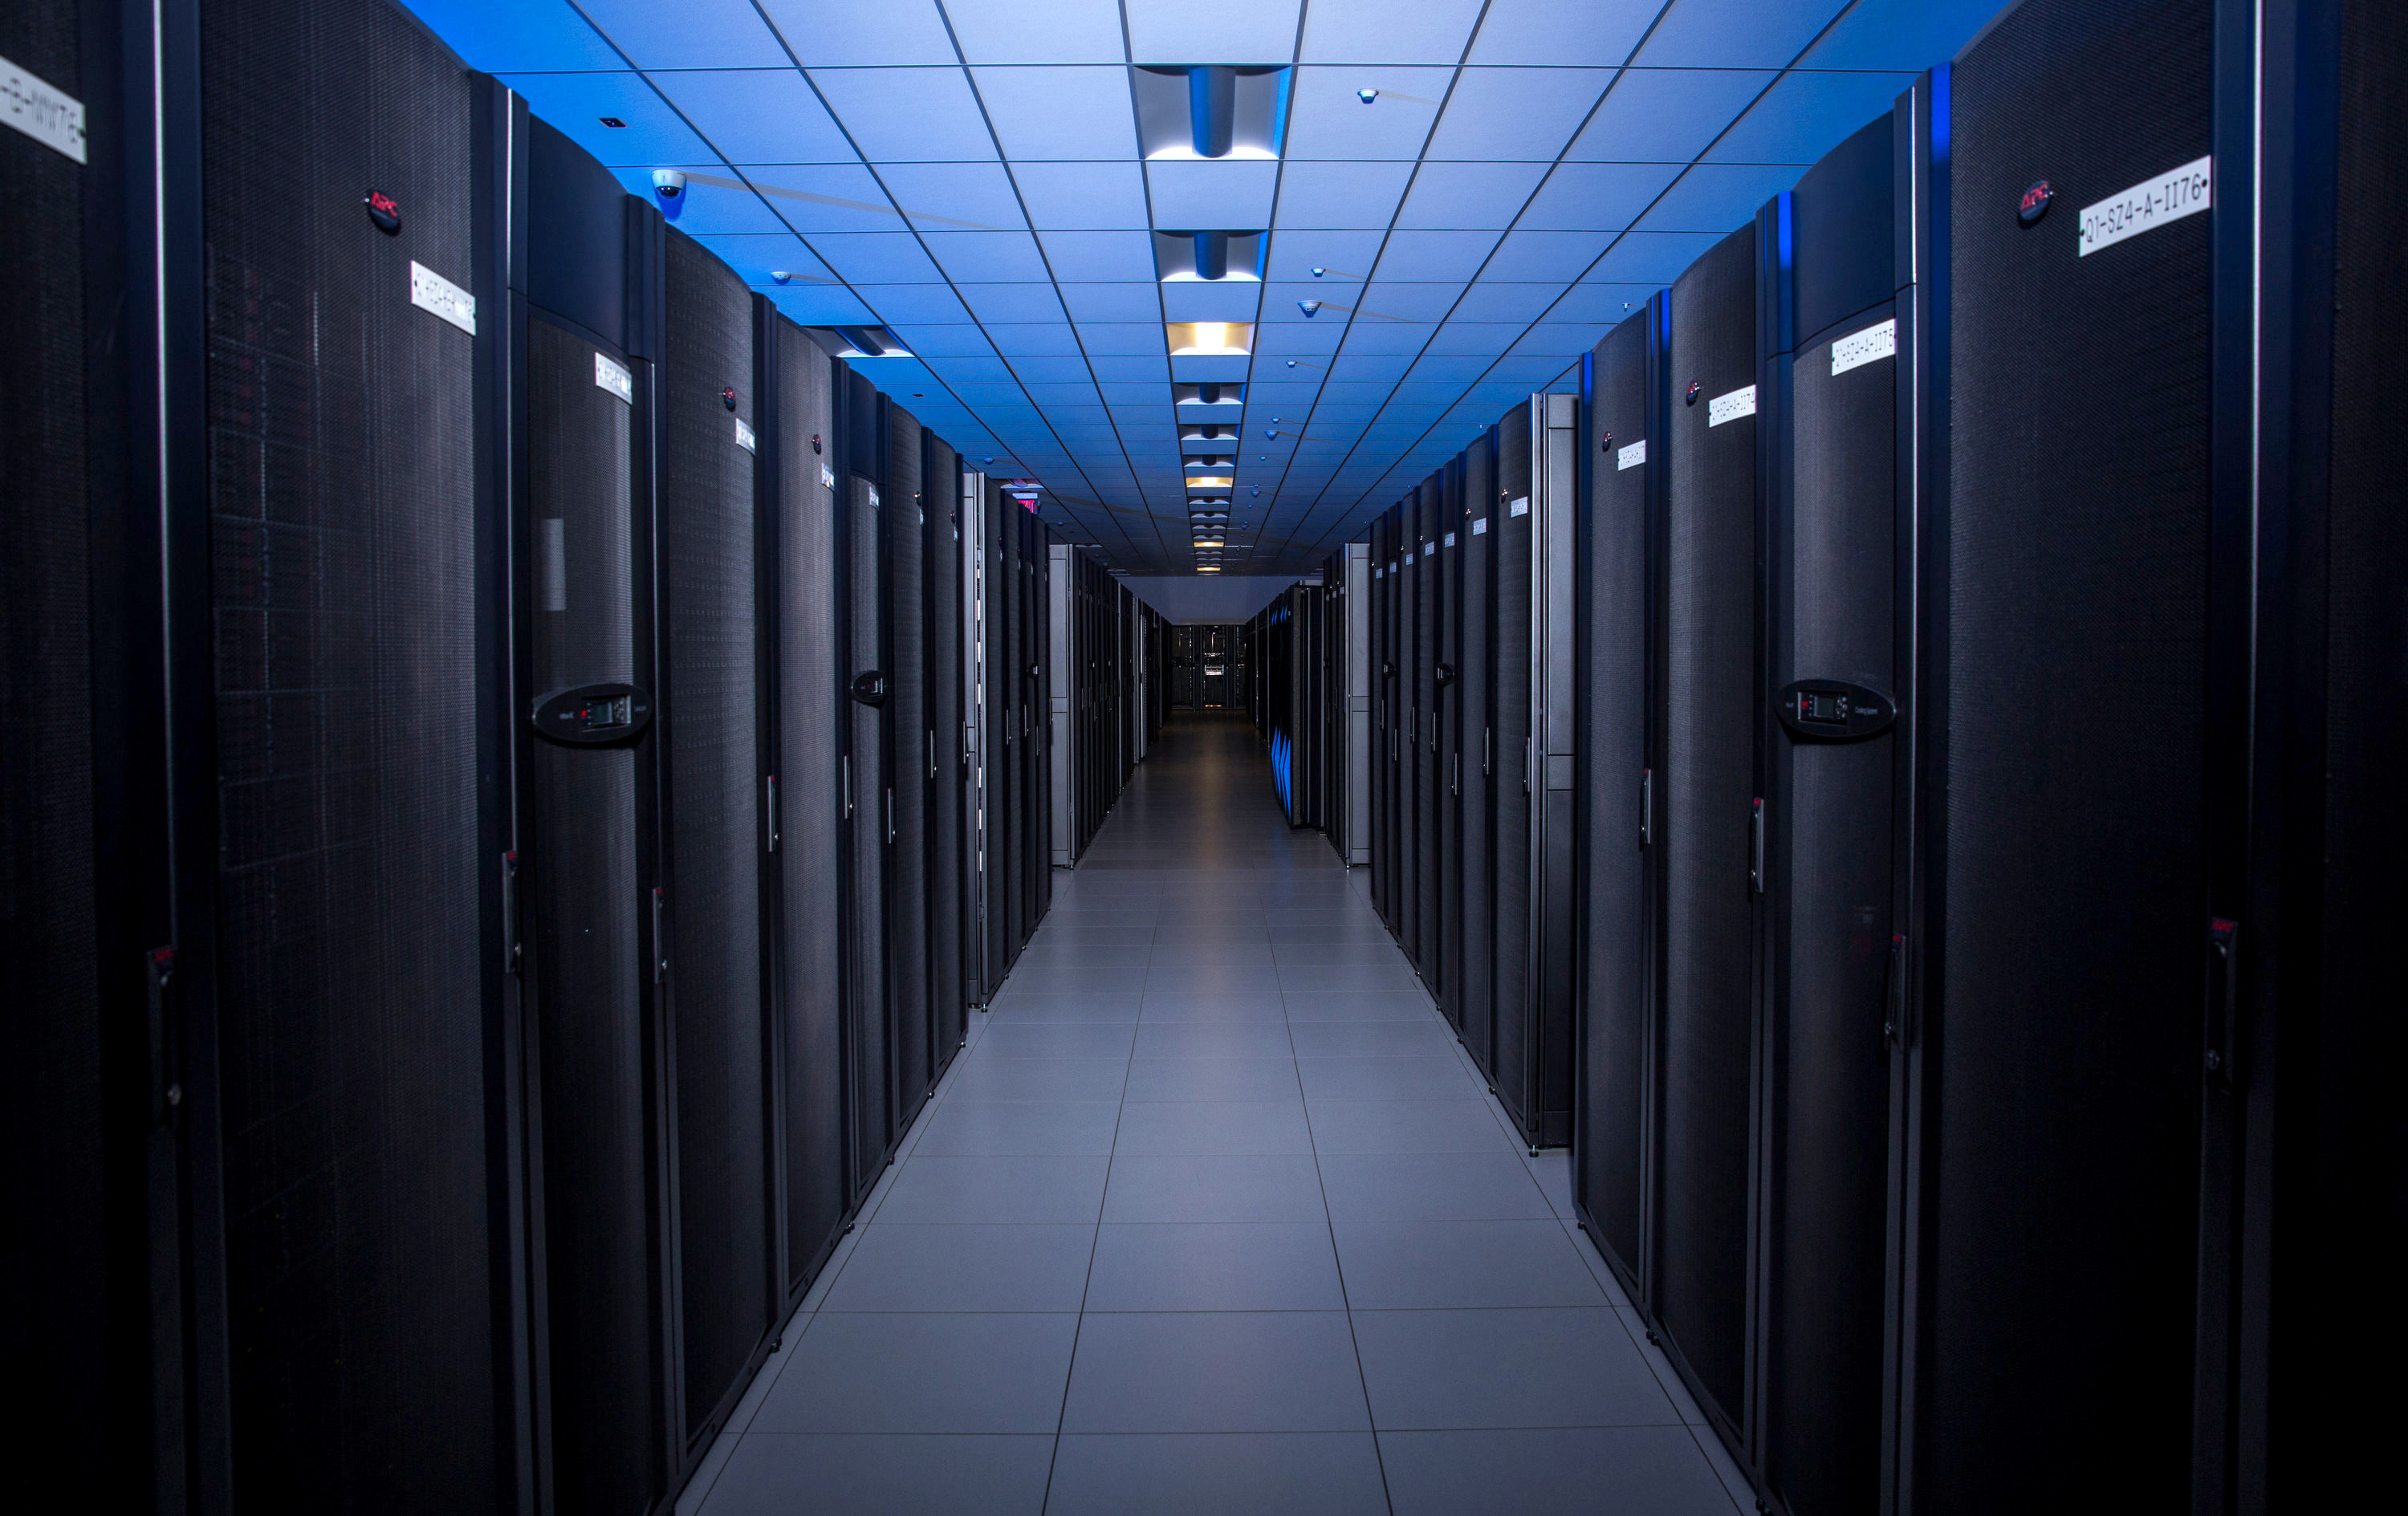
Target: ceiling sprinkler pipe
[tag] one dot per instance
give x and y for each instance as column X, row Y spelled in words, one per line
column 1211, row 255
column 1213, row 108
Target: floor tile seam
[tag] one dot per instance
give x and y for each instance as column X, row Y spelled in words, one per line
column 1699, row 1434
column 1070, row 1369
column 1337, row 1261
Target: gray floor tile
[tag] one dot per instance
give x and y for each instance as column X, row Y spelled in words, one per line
column 1418, row 1265
column 1057, row 1040
column 1554, row 1172
column 1168, row 1006
column 1212, row 1126
column 1347, row 978
column 1503, row 1368
column 1250, row 1039
column 1634, row 1325
column 1609, row 1470
column 1067, row 976
column 1429, row 1077
column 1040, row 1079
column 945, row 1190
column 1425, row 1037
column 1193, row 1265
column 1213, row 954
column 1357, row 1006
column 885, row 1372
column 1056, row 932
column 1211, row 1078
column 1464, row 1126
column 964, row 1267
column 1274, row 1187
column 960, row 1126
column 1260, row 980
column 1174, row 930
column 1216, row 1371
column 1014, row 1005
column 778, row 1474
column 1215, row 1474
column 1430, row 1187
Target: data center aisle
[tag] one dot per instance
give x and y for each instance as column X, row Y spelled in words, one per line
column 1214, row 1216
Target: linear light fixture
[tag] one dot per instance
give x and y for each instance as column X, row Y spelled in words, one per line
column 1210, row 339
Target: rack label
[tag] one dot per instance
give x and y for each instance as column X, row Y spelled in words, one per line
column 1731, row 407
column 53, row 118
column 827, row 477
column 1519, row 506
column 2148, row 206
column 1450, row 539
column 743, row 435
column 611, row 375
column 1631, row 456
column 1479, row 525
column 1870, row 345
column 431, row 292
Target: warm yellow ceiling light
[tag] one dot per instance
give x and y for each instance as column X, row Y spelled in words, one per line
column 1210, row 339
column 1207, row 481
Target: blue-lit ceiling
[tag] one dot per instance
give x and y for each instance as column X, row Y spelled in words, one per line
column 985, row 178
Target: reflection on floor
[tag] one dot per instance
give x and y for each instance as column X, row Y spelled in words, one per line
column 1214, row 1216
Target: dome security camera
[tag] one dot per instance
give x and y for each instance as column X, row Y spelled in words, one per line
column 669, row 188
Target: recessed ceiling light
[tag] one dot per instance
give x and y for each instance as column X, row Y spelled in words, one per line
column 1366, row 96
column 1318, row 272
column 614, row 124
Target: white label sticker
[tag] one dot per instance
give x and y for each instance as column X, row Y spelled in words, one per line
column 1631, row 456
column 1450, row 539
column 1731, row 407
column 1409, row 559
column 49, row 118
column 1870, row 345
column 1479, row 525
column 2146, row 206
column 873, row 497
column 611, row 375
column 1377, row 571
column 1392, row 566
column 1519, row 507
column 743, row 435
column 431, row 292
column 827, row 477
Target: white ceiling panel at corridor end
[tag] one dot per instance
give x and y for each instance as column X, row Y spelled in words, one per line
column 1073, row 113
column 1189, row 195
column 1384, row 32
column 1054, row 31
column 1183, row 31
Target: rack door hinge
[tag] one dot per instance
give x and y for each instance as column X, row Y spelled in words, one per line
column 660, row 937
column 1755, row 848
column 513, row 948
column 167, row 1062
column 769, row 808
column 2223, row 1000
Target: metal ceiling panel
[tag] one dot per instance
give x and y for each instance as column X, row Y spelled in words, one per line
column 692, row 33
column 1718, row 197
column 859, row 33
column 1069, row 113
column 1098, row 256
column 1488, row 301
column 1228, row 32
column 1227, row 193
column 1805, row 113
column 1034, row 302
column 877, row 257
column 988, row 257
column 1516, row 113
column 708, row 208
column 755, row 255
column 1667, row 115
column 1082, row 197
column 906, row 115
column 540, row 34
column 1329, row 120
column 1058, row 31
column 654, row 135
column 948, row 197
column 1651, row 257
column 1593, row 31
column 821, row 305
column 1596, row 197
column 1383, row 32
column 1436, row 254
column 1464, row 195
column 825, row 197
column 1108, row 302
column 1341, row 195
column 1735, row 34
column 1901, row 34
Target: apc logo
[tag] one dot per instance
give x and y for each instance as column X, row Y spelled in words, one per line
column 383, row 211
column 2035, row 202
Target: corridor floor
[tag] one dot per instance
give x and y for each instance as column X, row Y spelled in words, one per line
column 1212, row 1215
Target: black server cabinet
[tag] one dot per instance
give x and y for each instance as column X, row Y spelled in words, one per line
column 333, row 302
column 1037, row 635
column 909, row 740
column 712, row 831
column 866, row 778
column 1423, row 730
column 949, row 900
column 1383, row 856
column 591, row 915
column 1832, row 786
column 1018, row 684
column 802, row 600
column 2083, row 671
column 1475, row 737
column 1514, row 1001
column 999, row 737
column 1612, row 1142
column 1446, row 672
column 1709, row 819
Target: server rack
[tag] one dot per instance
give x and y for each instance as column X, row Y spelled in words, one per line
column 1061, row 603
column 1614, row 1146
column 911, row 743
column 941, row 504
column 1476, row 739
column 1361, row 662
column 803, row 597
column 866, row 769
column 1447, row 530
column 1418, row 690
column 1036, row 544
column 985, row 706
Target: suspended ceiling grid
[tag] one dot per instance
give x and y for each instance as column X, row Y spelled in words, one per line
column 968, row 175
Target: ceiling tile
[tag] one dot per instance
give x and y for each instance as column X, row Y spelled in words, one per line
column 1383, row 32
column 877, row 258
column 1491, row 302
column 1202, row 301
column 757, row 254
column 1512, row 113
column 1425, row 254
column 1051, row 366
column 819, row 304
column 1611, row 303
column 1112, row 302
column 1328, row 120
column 1340, row 194
column 1285, row 302
column 1667, row 115
column 1388, row 337
column 941, row 341
column 1467, row 339
column 1011, row 302
column 1806, row 116
column 1060, row 113
column 949, row 198
column 913, row 304
column 983, row 370
column 1910, row 35
column 693, row 33
column 574, row 105
column 1123, row 339
column 1371, row 366
column 988, row 257
column 859, row 32
column 1717, row 198
column 1280, row 340
column 1149, row 367
column 1735, row 34
column 1080, row 197
column 1233, row 193
column 1542, row 256
column 825, row 197
column 908, row 115
column 1120, row 256
column 1591, row 32
column 1058, row 31
column 501, row 39
column 1211, row 31
column 1460, row 194
column 1596, row 197
column 708, row 208
column 1399, row 300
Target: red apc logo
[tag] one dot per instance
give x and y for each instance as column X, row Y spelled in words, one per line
column 2035, row 202
column 385, row 211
